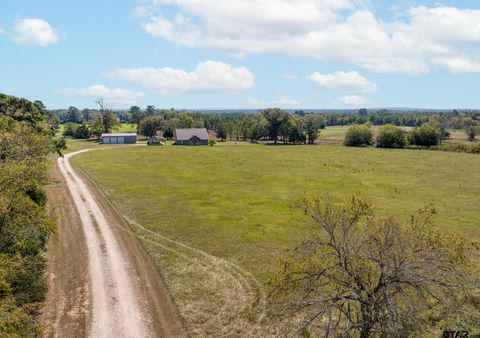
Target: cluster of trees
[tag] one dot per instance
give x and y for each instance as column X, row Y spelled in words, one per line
column 26, row 139
column 270, row 124
column 453, row 119
column 390, row 136
column 103, row 120
column 364, row 275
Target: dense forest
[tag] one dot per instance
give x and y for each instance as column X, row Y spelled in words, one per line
column 26, row 140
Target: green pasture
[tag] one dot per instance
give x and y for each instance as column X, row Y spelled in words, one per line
column 237, row 201
column 126, row 128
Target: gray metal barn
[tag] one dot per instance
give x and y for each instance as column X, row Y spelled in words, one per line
column 191, row 137
column 125, row 138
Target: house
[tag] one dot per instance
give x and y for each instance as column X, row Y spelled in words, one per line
column 126, row 138
column 191, row 137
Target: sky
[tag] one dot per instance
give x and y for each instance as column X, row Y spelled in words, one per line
column 242, row 54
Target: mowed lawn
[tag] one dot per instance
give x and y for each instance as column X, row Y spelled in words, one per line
column 236, row 201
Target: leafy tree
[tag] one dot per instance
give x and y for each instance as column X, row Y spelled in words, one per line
column 391, row 137
column 312, row 127
column 82, row 132
column 296, row 135
column 184, row 120
column 70, row 129
column 150, row 125
column 96, row 126
column 258, row 128
column 87, row 114
column 108, row 118
column 25, row 143
column 276, row 119
column 222, row 132
column 427, row 135
column 358, row 136
column 20, row 110
column 168, row 133
column 74, row 115
column 151, row 110
column 59, row 144
column 362, row 275
column 472, row 132
column 137, row 115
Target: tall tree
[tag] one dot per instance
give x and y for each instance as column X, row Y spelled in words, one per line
column 74, row 115
column 276, row 118
column 151, row 124
column 25, row 226
column 222, row 132
column 109, row 120
column 137, row 115
column 312, row 127
column 151, row 110
column 363, row 275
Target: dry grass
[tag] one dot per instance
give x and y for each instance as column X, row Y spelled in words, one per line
column 216, row 297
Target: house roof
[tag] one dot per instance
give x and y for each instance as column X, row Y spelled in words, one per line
column 120, row 134
column 187, row 134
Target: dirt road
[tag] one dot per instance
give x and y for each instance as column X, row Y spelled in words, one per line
column 123, row 295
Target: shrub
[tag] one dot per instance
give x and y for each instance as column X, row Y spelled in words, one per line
column 358, row 136
column 70, row 129
column 391, row 137
column 211, row 143
column 427, row 135
column 472, row 132
column 82, row 132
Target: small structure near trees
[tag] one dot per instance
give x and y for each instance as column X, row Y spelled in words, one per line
column 125, row 138
column 155, row 141
column 191, row 137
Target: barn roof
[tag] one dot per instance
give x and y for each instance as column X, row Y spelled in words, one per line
column 120, row 134
column 187, row 134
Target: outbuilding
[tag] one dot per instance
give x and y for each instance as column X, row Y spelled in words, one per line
column 126, row 138
column 191, row 137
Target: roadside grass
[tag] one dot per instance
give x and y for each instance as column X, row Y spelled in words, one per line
column 75, row 145
column 231, row 209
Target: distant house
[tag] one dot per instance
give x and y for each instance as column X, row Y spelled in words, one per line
column 126, row 138
column 191, row 137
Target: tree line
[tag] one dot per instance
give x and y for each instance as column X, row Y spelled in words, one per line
column 270, row 124
column 26, row 140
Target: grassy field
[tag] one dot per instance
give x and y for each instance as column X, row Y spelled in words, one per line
column 241, row 194
column 333, row 134
column 234, row 201
column 337, row 135
column 126, row 128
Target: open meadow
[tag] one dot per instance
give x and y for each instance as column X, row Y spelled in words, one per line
column 236, row 202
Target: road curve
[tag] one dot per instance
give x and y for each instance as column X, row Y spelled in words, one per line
column 118, row 306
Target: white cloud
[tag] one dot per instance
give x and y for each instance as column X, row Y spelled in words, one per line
column 34, row 32
column 112, row 96
column 290, row 77
column 2, row 31
column 459, row 64
column 353, row 101
column 328, row 30
column 343, row 80
column 278, row 102
column 208, row 77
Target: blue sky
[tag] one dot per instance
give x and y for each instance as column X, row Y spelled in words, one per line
column 204, row 54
